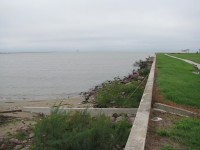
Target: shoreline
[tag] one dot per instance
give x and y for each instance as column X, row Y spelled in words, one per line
column 67, row 102
column 11, row 110
column 78, row 100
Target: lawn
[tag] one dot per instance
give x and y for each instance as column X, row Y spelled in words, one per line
column 186, row 132
column 173, row 132
column 193, row 57
column 176, row 82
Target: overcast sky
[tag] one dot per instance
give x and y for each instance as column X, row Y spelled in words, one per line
column 136, row 25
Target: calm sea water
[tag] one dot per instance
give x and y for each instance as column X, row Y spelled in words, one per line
column 40, row 76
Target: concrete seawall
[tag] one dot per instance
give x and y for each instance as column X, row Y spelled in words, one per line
column 137, row 137
column 92, row 111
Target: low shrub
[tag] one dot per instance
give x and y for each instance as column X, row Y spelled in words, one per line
column 78, row 131
column 119, row 95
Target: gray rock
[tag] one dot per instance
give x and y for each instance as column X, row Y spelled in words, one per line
column 26, row 147
column 15, row 141
column 23, row 128
column 2, row 146
column 131, row 119
column 130, row 115
column 17, row 147
column 113, row 119
column 115, row 115
column 120, row 118
column 25, row 141
column 31, row 135
column 1, row 140
column 156, row 119
column 140, row 78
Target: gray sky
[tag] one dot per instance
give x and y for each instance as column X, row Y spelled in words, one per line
column 136, row 25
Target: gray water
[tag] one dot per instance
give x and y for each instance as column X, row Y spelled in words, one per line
column 41, row 76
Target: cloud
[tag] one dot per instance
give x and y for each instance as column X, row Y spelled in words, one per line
column 99, row 25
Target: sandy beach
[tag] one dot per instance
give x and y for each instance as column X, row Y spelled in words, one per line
column 17, row 105
column 25, row 120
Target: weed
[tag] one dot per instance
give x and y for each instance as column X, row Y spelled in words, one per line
column 78, row 130
column 167, row 147
column 164, row 133
column 21, row 135
column 119, row 95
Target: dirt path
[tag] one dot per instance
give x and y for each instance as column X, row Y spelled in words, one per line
column 185, row 60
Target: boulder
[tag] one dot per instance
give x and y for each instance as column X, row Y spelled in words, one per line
column 120, row 118
column 18, row 147
column 115, row 115
column 15, row 141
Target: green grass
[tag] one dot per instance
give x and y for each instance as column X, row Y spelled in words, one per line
column 192, row 57
column 167, row 147
column 119, row 95
column 186, row 132
column 21, row 135
column 176, row 81
column 78, row 131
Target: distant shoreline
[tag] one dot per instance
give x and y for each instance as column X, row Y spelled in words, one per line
column 25, row 52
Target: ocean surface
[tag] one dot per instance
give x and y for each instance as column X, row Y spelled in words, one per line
column 42, row 76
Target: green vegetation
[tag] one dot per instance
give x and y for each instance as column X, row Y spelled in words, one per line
column 192, row 57
column 119, row 95
column 21, row 135
column 176, row 81
column 186, row 132
column 167, row 147
column 121, row 92
column 78, row 131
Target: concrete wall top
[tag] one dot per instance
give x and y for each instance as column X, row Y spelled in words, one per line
column 92, row 111
column 137, row 137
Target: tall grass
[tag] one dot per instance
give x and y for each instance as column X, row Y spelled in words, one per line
column 80, row 131
column 119, row 95
column 176, row 81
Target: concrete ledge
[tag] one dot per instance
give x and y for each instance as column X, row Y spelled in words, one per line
column 174, row 110
column 137, row 137
column 92, row 111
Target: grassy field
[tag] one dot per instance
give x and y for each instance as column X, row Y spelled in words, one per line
column 176, row 82
column 192, row 57
column 186, row 132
